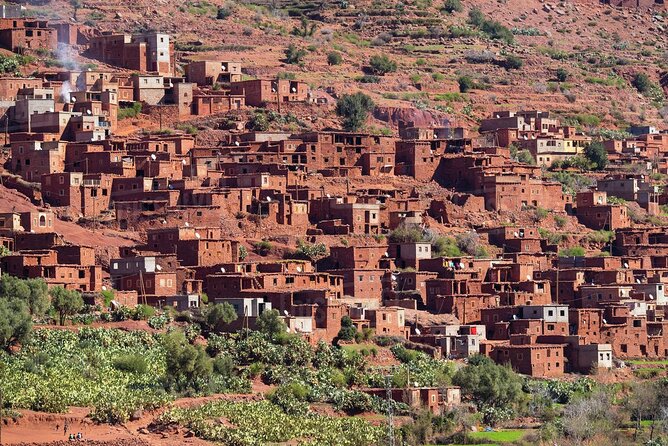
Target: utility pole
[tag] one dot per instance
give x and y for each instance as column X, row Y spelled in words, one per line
column 390, row 414
column 1, row 412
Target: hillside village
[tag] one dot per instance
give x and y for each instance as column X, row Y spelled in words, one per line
column 150, row 184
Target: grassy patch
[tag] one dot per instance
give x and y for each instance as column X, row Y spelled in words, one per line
column 504, row 436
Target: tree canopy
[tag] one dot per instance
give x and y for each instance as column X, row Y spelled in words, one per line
column 65, row 302
column 33, row 292
column 354, row 109
column 15, row 322
column 270, row 323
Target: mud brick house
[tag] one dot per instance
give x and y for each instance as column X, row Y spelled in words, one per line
column 32, row 221
column 259, row 92
column 415, row 159
column 210, row 72
column 435, row 400
column 360, row 218
column 632, row 188
column 150, row 52
column 362, row 283
column 11, row 86
column 88, row 195
column 355, row 257
column 387, row 321
column 544, row 360
column 648, row 241
column 81, row 274
column 18, row 34
column 594, row 211
column 407, row 289
column 210, row 103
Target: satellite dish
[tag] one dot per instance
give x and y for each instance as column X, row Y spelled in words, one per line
column 651, row 297
column 187, row 224
column 637, row 280
column 51, row 110
column 198, row 236
column 73, row 99
column 164, row 222
column 626, row 265
column 516, row 234
column 299, row 269
column 604, row 321
column 222, row 269
column 158, row 267
column 287, row 329
column 417, row 331
column 329, row 196
column 386, row 254
column 293, row 89
column 268, row 199
column 88, row 112
column 393, row 277
column 528, row 276
column 153, row 156
column 514, row 317
column 236, row 143
column 104, row 288
column 285, row 312
column 183, row 162
column 461, row 265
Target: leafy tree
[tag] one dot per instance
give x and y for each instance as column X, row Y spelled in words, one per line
column 271, row 323
column 524, row 156
column 33, row 292
column 65, row 302
column 490, row 385
column 348, row 329
column 597, row 155
column 294, row 55
column 305, row 30
column 243, row 253
column 466, row 83
column 15, row 323
column 641, row 82
column 562, row 74
column 188, row 366
column 451, row 6
column 259, row 122
column 381, row 64
column 354, row 109
column 219, row 314
column 334, row 58
column 312, row 251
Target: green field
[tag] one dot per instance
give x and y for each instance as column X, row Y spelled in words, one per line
column 504, row 436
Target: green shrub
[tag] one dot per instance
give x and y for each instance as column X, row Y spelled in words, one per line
column 641, row 82
column 294, row 55
column 131, row 363
column 576, row 251
column 451, row 6
column 562, row 75
column 334, row 58
column 354, row 109
column 381, row 65
column 130, row 112
column 466, row 83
